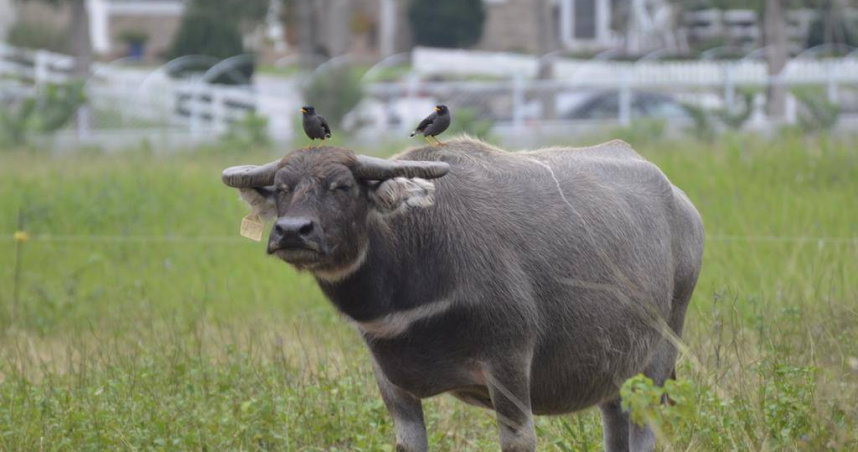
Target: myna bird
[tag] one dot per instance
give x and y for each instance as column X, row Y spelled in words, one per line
column 315, row 126
column 434, row 124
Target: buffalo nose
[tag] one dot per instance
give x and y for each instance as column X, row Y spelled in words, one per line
column 294, row 227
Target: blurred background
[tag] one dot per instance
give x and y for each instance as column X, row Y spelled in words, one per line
column 179, row 72
column 134, row 317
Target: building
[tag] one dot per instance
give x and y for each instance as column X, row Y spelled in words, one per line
column 110, row 21
column 529, row 26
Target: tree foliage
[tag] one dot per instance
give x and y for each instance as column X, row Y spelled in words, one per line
column 447, row 23
column 207, row 30
column 214, row 28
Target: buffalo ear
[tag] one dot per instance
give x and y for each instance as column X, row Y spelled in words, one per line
column 261, row 200
column 398, row 194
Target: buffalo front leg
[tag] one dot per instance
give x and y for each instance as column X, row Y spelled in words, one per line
column 615, row 426
column 407, row 412
column 509, row 389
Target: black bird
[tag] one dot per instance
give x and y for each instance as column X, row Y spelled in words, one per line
column 434, row 124
column 315, row 126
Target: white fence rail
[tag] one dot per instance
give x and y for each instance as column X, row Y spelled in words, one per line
column 34, row 66
column 594, row 72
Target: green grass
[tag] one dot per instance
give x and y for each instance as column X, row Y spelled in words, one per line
column 122, row 339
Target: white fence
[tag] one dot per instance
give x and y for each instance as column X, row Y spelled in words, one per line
column 37, row 67
column 145, row 101
column 644, row 72
column 134, row 99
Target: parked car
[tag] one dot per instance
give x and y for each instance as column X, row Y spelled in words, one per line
column 606, row 105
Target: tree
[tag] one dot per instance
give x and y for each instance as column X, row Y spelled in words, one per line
column 446, row 23
column 214, row 28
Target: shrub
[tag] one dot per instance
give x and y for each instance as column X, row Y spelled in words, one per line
column 133, row 36
column 818, row 113
column 702, row 127
column 737, row 119
column 35, row 35
column 209, row 30
column 447, row 23
column 467, row 120
column 642, row 131
column 50, row 109
column 250, row 132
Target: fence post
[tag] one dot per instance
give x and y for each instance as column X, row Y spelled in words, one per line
column 517, row 102
column 195, row 101
column 21, row 236
column 218, row 109
column 831, row 82
column 790, row 109
column 413, row 85
column 729, row 87
column 40, row 68
column 625, row 99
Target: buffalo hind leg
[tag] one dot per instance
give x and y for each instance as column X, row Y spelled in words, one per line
column 509, row 388
column 615, row 426
column 407, row 412
column 659, row 369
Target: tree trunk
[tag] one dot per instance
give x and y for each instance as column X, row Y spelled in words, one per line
column 305, row 23
column 774, row 31
column 547, row 42
column 338, row 15
column 80, row 40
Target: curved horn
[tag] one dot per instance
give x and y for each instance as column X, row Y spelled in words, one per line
column 247, row 176
column 374, row 168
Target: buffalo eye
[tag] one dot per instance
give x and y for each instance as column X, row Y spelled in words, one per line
column 344, row 188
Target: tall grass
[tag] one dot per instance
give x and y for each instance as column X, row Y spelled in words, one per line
column 145, row 323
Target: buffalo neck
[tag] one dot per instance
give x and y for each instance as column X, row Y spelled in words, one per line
column 402, row 271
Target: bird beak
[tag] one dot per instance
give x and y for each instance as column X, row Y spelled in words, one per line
column 437, row 110
column 304, row 110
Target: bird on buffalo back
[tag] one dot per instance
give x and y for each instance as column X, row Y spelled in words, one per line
column 434, row 124
column 315, row 125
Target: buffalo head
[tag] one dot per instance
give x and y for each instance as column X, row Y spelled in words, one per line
column 322, row 200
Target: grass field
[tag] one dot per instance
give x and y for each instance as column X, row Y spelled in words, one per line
column 139, row 320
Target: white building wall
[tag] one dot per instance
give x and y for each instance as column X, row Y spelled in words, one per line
column 7, row 17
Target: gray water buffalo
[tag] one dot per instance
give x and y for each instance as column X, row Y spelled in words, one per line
column 527, row 283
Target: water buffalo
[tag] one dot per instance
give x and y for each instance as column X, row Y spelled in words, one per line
column 527, row 283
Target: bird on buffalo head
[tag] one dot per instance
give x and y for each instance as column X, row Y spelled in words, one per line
column 315, row 126
column 434, row 124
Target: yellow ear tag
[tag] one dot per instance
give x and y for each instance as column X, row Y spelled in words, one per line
column 251, row 227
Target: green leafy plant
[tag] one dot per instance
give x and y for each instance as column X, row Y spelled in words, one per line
column 50, row 109
column 250, row 132
column 818, row 114
column 467, row 120
column 213, row 28
column 736, row 119
column 446, row 23
column 37, row 35
column 701, row 127
column 641, row 131
column 133, row 36
column 667, row 409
